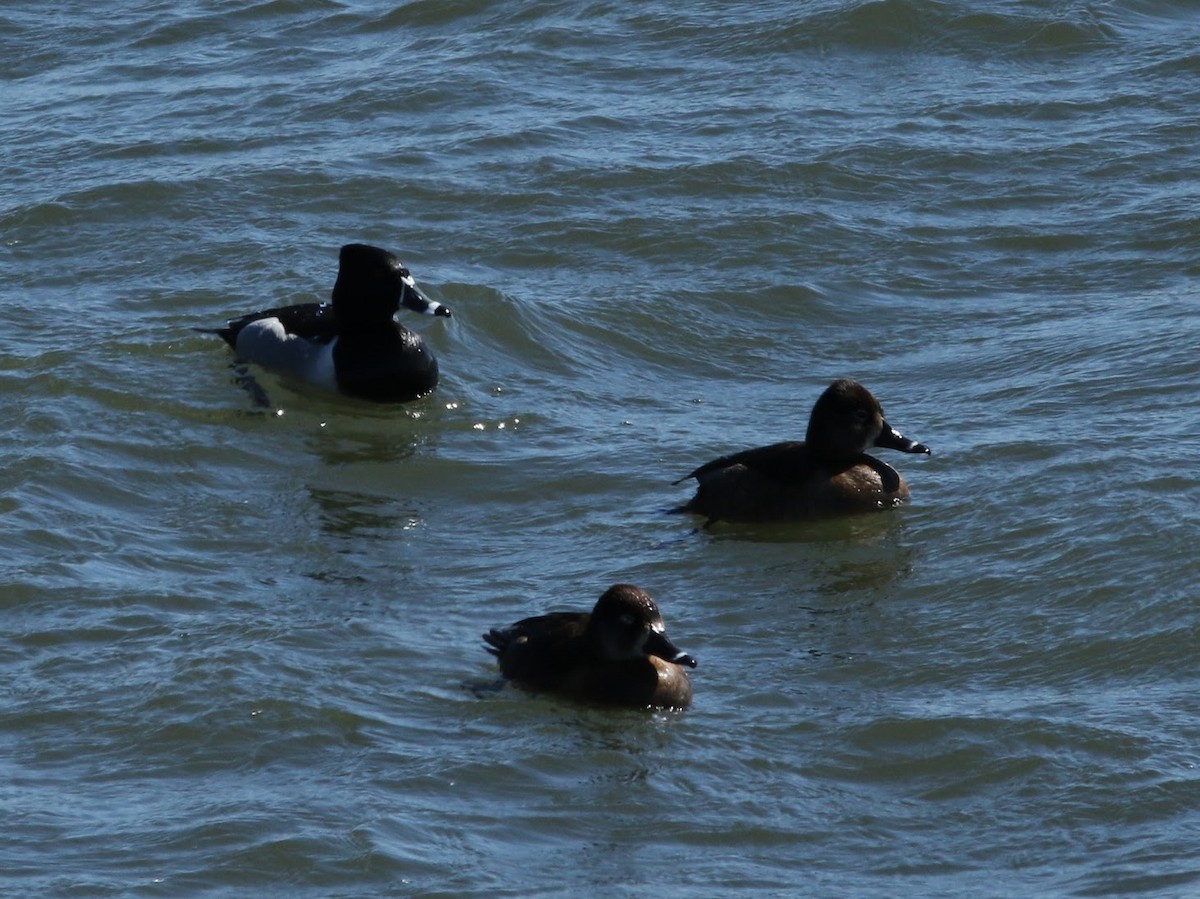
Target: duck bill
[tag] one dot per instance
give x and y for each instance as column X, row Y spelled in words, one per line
column 657, row 644
column 416, row 301
column 890, row 438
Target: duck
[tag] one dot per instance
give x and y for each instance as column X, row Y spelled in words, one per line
column 618, row 654
column 827, row 474
column 353, row 343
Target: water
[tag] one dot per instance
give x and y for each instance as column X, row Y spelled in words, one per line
column 241, row 644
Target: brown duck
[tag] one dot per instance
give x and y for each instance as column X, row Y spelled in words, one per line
column 617, row 654
column 828, row 473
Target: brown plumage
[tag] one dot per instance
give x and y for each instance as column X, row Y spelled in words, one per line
column 616, row 654
column 829, row 473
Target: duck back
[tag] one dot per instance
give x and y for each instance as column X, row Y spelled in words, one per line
column 787, row 482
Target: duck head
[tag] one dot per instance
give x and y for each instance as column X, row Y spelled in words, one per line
column 626, row 624
column 847, row 420
column 372, row 285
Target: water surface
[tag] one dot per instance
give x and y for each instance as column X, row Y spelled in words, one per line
column 241, row 642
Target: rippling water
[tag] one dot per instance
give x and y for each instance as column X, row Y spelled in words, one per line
column 241, row 643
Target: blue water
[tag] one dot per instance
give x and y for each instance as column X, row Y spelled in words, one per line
column 242, row 642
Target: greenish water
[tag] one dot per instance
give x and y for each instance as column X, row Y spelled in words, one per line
column 242, row 644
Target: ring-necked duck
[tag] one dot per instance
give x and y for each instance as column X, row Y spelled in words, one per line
column 352, row 344
column 616, row 654
column 829, row 473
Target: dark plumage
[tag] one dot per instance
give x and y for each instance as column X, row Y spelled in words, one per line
column 616, row 654
column 352, row 344
column 829, row 473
